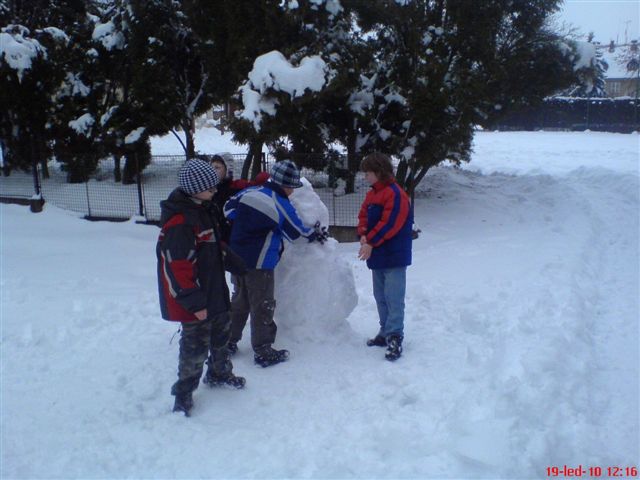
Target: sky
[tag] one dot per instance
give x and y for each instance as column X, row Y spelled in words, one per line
column 608, row 19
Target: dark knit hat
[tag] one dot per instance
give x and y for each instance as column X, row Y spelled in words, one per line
column 286, row 174
column 197, row 176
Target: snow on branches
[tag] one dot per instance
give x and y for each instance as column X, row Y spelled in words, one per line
column 273, row 72
column 18, row 50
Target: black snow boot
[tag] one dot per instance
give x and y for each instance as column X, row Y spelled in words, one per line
column 232, row 348
column 183, row 403
column 268, row 356
column 394, row 348
column 226, row 380
column 377, row 341
column 220, row 370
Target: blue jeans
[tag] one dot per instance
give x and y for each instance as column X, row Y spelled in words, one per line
column 389, row 285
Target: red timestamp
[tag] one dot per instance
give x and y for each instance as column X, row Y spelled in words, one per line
column 581, row 471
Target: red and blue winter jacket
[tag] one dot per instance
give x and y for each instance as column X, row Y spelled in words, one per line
column 386, row 219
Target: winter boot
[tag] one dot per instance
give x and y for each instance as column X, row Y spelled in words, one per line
column 232, row 348
column 220, row 370
column 394, row 348
column 377, row 341
column 228, row 380
column 268, row 356
column 183, row 403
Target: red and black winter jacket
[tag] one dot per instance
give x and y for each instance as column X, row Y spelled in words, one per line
column 190, row 261
column 386, row 218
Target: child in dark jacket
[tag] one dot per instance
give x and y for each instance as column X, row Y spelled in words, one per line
column 384, row 225
column 227, row 188
column 192, row 285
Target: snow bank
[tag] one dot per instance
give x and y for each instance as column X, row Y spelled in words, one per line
column 553, row 153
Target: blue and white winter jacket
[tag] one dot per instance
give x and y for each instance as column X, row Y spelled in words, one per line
column 262, row 217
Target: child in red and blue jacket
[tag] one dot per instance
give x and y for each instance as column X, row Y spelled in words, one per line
column 385, row 229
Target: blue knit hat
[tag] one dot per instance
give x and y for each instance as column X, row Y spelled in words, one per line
column 197, row 176
column 286, row 174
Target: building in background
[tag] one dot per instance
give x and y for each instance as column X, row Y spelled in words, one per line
column 622, row 77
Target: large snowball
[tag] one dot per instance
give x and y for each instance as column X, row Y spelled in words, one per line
column 315, row 287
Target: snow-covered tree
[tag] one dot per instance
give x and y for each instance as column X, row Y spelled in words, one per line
column 448, row 65
column 590, row 69
column 629, row 57
column 125, row 122
column 413, row 77
column 81, row 100
column 69, row 88
column 259, row 35
column 32, row 46
column 173, row 71
column 280, row 100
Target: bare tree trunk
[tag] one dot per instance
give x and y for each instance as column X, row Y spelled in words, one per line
column 42, row 153
column 44, row 168
column 257, row 163
column 5, row 159
column 401, row 173
column 117, row 173
column 353, row 163
column 190, row 148
column 254, row 156
column 137, row 157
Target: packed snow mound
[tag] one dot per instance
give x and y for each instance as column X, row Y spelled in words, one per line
column 308, row 205
column 315, row 288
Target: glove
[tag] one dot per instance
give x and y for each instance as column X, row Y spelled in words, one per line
column 319, row 234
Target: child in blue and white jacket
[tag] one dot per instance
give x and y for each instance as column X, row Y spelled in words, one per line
column 262, row 219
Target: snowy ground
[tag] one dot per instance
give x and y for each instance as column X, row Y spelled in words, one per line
column 521, row 340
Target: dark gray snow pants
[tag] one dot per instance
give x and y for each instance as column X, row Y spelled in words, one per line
column 254, row 295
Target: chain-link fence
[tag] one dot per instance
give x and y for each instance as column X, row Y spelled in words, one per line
column 103, row 198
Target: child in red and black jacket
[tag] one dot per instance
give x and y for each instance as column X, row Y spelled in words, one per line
column 192, row 285
column 385, row 228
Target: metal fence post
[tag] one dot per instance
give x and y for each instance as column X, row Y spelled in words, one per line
column 86, row 185
column 332, row 180
column 36, row 203
column 139, row 182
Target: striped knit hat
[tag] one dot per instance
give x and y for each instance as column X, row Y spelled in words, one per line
column 197, row 176
column 286, row 174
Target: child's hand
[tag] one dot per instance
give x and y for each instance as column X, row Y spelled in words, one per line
column 365, row 251
column 202, row 314
column 363, row 240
